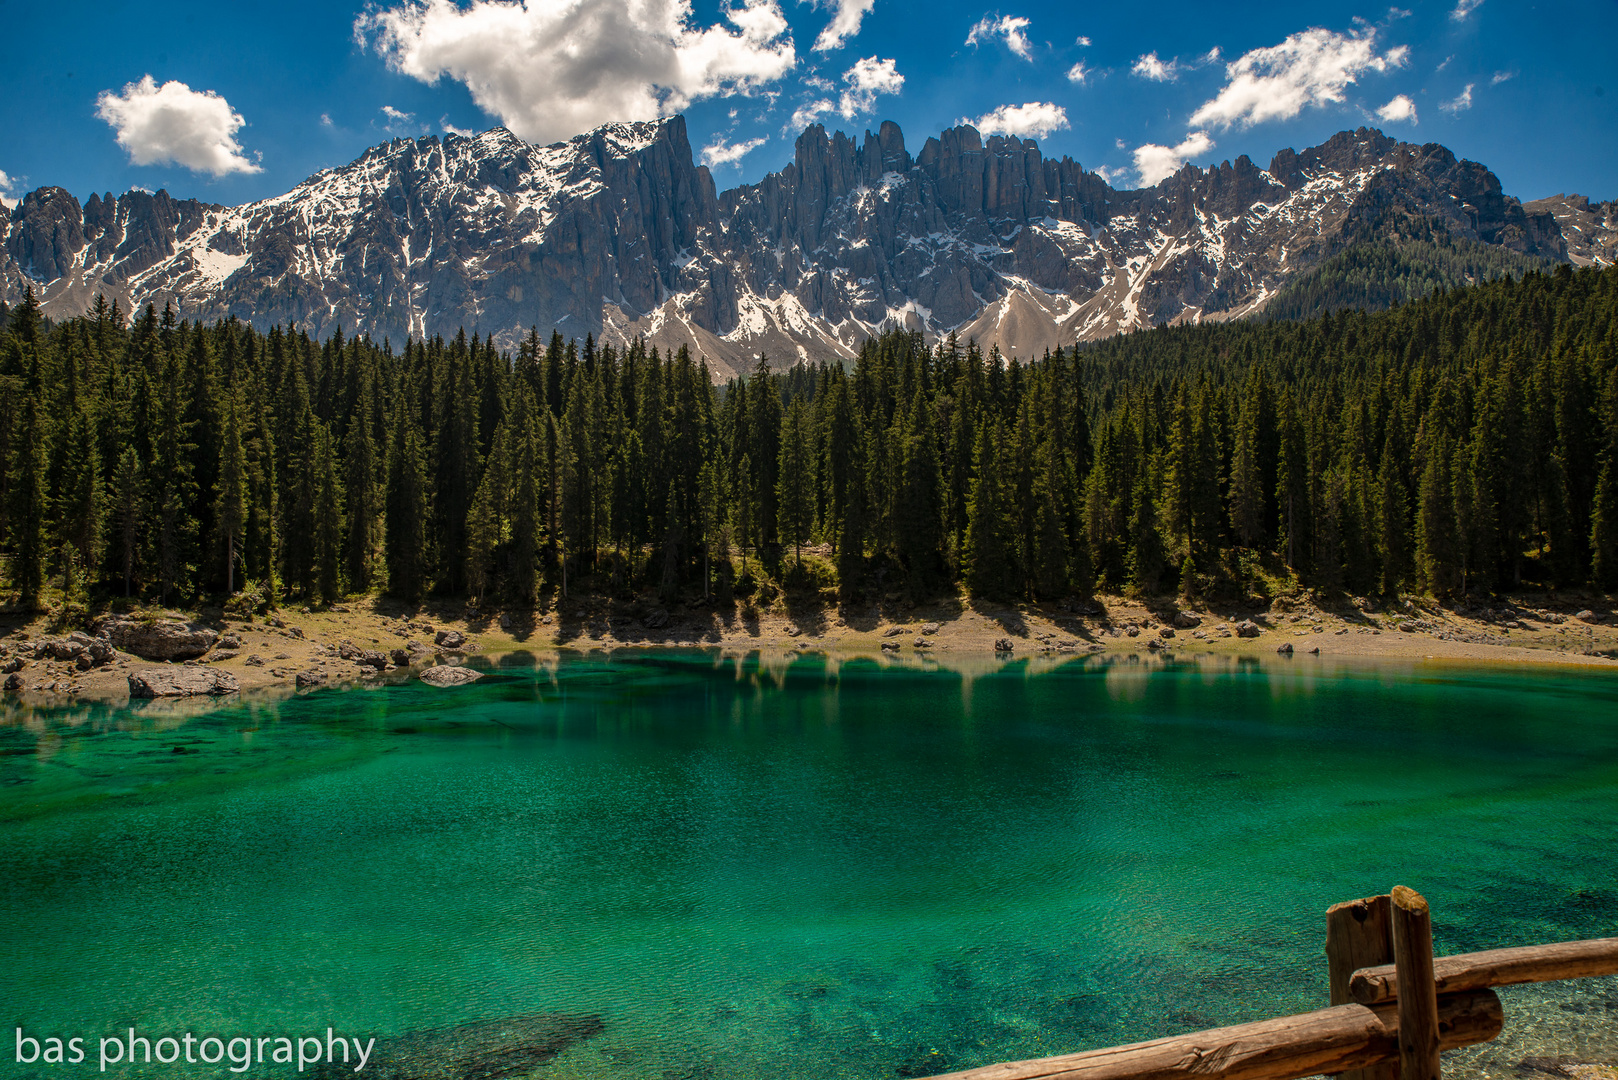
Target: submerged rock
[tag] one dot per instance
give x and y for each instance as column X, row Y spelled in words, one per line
column 180, row 682
column 481, row 1050
column 450, row 675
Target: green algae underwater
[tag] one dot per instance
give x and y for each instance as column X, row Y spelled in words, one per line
column 795, row 866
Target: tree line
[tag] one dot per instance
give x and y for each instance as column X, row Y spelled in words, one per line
column 1461, row 443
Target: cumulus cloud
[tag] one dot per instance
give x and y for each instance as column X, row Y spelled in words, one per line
column 718, row 153
column 1465, row 8
column 549, row 70
column 1398, row 110
column 1312, row 67
column 1460, row 102
column 325, row 120
column 1150, row 67
column 1011, row 28
column 864, row 81
column 1034, row 120
column 1156, row 163
column 174, row 123
column 845, row 23
column 808, row 113
column 1110, row 174
column 1083, row 41
column 451, row 129
column 1078, row 73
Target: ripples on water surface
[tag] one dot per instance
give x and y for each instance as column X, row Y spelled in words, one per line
column 797, row 869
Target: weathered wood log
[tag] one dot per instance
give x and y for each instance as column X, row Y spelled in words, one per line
column 1418, row 1005
column 1331, row 1040
column 1359, row 934
column 1495, row 967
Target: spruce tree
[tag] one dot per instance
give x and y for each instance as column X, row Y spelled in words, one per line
column 794, row 484
column 230, row 511
column 989, row 567
column 328, row 539
column 406, row 533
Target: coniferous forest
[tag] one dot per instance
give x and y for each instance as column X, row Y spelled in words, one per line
column 1461, row 444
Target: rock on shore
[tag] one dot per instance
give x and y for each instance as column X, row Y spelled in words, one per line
column 163, row 639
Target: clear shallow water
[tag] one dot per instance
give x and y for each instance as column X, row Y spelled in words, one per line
column 796, row 868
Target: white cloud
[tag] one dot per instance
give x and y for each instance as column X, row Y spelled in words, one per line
column 1398, row 110
column 1213, row 56
column 717, row 153
column 325, row 120
column 804, row 115
column 1461, row 102
column 1078, row 73
column 1502, row 76
column 1120, row 143
column 6, row 182
column 866, row 79
column 1156, row 163
column 1083, row 41
column 549, row 70
column 820, row 83
column 1150, row 67
column 1312, row 67
column 1009, row 27
column 451, row 129
column 1036, row 119
column 845, row 23
column 1445, row 64
column 174, row 123
column 1465, row 8
column 1110, row 175
column 1397, row 56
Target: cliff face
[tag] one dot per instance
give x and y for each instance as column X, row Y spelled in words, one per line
column 618, row 232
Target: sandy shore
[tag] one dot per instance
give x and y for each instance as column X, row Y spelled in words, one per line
column 274, row 649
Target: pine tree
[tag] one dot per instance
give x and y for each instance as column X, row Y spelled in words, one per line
column 230, row 511
column 28, row 505
column 360, row 468
column 328, row 546
column 1436, row 570
column 406, row 534
column 989, row 567
column 129, row 513
column 794, row 484
column 920, row 511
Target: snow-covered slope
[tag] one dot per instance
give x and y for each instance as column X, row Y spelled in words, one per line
column 617, row 232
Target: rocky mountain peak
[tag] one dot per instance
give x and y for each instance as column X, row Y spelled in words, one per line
column 619, row 232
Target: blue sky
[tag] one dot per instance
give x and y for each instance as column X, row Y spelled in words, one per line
column 232, row 102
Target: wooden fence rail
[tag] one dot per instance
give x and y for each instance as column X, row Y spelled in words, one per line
column 1369, row 1033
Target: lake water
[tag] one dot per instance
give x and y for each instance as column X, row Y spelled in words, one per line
column 794, row 867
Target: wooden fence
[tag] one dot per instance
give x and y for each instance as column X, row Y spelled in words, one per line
column 1371, row 1031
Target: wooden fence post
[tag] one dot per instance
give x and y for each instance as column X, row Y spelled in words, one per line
column 1359, row 934
column 1418, row 993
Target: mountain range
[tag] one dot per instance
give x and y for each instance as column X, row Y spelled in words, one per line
column 619, row 232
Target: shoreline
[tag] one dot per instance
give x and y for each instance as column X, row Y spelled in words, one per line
column 375, row 639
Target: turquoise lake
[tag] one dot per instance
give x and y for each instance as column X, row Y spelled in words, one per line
column 794, row 866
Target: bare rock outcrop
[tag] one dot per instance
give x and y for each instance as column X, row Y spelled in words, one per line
column 162, row 639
